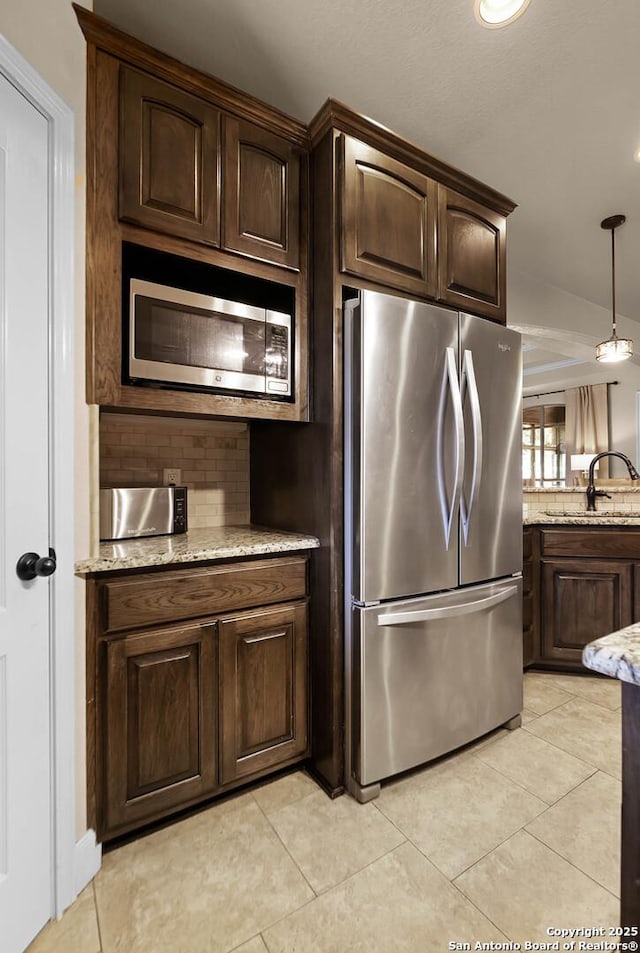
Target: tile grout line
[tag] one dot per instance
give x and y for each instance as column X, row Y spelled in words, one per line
column 408, row 840
column 549, row 804
column 289, row 854
column 571, row 864
column 575, row 696
column 564, row 751
column 352, row 873
column 95, row 906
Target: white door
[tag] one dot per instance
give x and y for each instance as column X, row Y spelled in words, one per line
column 25, row 796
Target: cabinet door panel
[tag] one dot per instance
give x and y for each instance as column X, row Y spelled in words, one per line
column 160, row 722
column 582, row 599
column 262, row 178
column 471, row 256
column 263, row 698
column 168, row 159
column 388, row 220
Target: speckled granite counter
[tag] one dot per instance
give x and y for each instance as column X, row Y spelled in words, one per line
column 599, row 518
column 617, row 654
column 223, row 542
column 627, row 487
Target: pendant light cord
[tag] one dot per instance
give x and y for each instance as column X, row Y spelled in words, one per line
column 613, row 280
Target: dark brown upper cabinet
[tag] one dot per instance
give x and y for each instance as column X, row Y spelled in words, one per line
column 471, row 256
column 261, row 200
column 169, row 159
column 388, row 220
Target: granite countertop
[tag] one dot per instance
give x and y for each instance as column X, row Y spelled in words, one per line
column 222, row 542
column 617, row 655
column 627, row 487
column 599, row 518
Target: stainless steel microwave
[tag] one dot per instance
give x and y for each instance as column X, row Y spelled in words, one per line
column 186, row 339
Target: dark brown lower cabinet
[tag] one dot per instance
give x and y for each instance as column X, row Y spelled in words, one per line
column 192, row 706
column 530, row 628
column 160, row 709
column 579, row 584
column 263, row 705
column 583, row 599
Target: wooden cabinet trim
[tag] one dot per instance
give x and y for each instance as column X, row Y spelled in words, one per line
column 336, row 115
column 103, row 35
column 154, row 598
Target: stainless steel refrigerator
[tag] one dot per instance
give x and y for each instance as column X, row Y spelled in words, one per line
column 433, row 533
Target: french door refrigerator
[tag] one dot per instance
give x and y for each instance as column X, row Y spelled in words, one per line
column 433, row 533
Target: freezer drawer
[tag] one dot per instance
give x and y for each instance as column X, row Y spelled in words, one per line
column 432, row 674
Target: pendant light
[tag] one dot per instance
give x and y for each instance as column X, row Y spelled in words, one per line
column 614, row 349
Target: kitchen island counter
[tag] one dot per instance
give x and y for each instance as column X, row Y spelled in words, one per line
column 618, row 655
column 198, row 545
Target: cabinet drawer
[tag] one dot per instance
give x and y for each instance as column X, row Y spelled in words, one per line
column 152, row 598
column 594, row 542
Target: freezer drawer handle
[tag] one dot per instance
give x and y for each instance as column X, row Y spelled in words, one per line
column 447, row 612
column 450, row 383
column 469, row 384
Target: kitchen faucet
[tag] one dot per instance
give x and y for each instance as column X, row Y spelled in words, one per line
column 592, row 493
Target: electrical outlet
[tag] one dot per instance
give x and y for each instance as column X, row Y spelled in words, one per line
column 171, row 475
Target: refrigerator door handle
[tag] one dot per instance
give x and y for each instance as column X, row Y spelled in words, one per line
column 446, row 612
column 450, row 384
column 469, row 384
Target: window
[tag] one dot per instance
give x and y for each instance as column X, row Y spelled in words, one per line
column 543, row 451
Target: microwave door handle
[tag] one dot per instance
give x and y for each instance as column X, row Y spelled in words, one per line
column 470, row 386
column 450, row 386
column 446, row 612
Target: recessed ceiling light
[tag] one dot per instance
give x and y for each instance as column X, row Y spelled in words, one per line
column 497, row 13
column 636, row 155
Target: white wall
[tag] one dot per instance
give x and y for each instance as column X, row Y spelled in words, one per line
column 47, row 34
column 573, row 326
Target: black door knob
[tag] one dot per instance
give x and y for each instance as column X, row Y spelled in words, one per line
column 31, row 565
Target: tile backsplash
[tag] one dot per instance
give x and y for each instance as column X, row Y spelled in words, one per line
column 624, row 499
column 213, row 456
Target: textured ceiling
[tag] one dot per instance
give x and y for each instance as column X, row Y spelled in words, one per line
column 546, row 110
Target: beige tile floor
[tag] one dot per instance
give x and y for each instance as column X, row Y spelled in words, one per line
column 500, row 841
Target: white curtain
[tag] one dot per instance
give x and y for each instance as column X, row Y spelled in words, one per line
column 587, row 422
